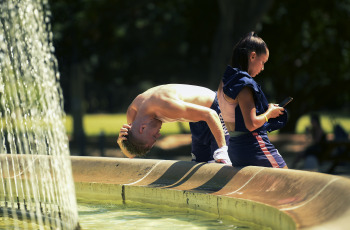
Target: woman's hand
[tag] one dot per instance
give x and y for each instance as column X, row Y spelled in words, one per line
column 274, row 111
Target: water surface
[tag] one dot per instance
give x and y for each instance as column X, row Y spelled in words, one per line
column 142, row 216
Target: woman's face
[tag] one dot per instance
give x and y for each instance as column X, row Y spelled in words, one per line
column 257, row 62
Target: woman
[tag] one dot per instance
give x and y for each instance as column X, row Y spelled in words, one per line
column 247, row 114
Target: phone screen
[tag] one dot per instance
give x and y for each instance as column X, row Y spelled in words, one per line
column 285, row 102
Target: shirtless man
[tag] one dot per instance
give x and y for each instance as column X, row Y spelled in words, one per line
column 176, row 102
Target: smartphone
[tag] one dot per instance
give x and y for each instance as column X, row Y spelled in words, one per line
column 285, row 102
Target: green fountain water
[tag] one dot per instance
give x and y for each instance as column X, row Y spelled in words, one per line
column 36, row 183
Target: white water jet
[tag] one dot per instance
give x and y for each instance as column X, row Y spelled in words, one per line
column 36, row 184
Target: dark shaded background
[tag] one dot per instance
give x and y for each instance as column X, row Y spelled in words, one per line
column 109, row 51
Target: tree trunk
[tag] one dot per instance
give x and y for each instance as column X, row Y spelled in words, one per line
column 236, row 19
column 77, row 92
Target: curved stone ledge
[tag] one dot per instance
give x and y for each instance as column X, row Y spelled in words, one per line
column 277, row 198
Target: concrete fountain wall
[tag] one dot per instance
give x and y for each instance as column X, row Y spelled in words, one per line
column 276, row 198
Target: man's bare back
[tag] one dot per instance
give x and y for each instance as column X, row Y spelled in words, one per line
column 160, row 98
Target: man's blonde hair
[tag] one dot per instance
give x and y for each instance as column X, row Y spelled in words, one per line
column 133, row 146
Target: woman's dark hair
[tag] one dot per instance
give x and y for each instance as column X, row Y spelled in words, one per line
column 249, row 43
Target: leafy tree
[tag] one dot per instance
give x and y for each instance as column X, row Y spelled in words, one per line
column 124, row 47
column 237, row 18
column 109, row 51
column 309, row 55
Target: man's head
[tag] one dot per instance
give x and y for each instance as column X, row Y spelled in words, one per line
column 142, row 136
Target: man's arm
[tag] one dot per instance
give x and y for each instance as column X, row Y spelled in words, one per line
column 177, row 109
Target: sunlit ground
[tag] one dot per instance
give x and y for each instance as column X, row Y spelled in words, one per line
column 110, row 124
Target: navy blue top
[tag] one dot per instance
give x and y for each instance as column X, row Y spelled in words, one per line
column 234, row 80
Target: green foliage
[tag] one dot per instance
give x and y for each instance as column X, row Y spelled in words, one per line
column 309, row 54
column 131, row 44
column 125, row 47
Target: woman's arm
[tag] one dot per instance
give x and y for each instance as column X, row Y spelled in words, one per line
column 247, row 105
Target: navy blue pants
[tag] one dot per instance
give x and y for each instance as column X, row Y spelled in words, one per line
column 254, row 149
column 203, row 141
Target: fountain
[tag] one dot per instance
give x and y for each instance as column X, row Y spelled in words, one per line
column 37, row 190
column 36, row 185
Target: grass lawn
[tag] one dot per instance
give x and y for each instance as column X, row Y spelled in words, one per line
column 327, row 121
column 110, row 124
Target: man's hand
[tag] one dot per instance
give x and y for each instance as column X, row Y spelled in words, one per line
column 221, row 155
column 122, row 133
column 122, row 136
